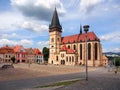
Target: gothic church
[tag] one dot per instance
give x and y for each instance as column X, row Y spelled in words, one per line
column 71, row 50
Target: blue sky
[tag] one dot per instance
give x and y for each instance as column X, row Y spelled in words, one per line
column 25, row 22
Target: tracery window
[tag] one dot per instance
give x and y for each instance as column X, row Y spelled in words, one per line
column 56, row 58
column 89, row 51
column 74, row 47
column 81, row 51
column 96, row 51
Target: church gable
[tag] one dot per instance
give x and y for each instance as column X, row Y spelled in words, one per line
column 79, row 38
column 67, row 50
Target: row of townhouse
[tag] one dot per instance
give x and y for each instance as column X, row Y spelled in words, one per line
column 19, row 54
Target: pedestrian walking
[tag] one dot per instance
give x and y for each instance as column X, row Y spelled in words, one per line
column 115, row 70
column 108, row 68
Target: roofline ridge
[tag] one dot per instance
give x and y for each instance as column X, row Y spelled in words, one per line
column 78, row 34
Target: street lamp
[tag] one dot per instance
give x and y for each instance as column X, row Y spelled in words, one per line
column 86, row 28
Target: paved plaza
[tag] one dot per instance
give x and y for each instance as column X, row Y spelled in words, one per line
column 99, row 79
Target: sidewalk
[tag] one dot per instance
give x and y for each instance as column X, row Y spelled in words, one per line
column 97, row 81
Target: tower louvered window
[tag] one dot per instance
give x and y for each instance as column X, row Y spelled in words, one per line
column 52, row 40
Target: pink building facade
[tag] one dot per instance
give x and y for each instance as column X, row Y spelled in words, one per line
column 21, row 55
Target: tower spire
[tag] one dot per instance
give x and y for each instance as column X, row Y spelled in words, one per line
column 55, row 21
column 80, row 29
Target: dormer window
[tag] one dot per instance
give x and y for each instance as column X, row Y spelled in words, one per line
column 68, row 46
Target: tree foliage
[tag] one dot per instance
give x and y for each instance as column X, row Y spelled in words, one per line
column 13, row 59
column 117, row 61
column 45, row 52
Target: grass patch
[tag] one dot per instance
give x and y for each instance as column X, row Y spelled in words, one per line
column 64, row 83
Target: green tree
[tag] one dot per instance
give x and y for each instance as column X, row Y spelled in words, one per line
column 45, row 52
column 117, row 61
column 13, row 59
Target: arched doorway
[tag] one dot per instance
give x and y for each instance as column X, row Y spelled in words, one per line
column 18, row 61
column 52, row 62
column 62, row 62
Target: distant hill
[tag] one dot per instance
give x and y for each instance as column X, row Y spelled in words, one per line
column 112, row 53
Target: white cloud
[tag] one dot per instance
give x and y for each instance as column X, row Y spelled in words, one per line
column 9, row 21
column 39, row 9
column 31, row 9
column 24, row 42
column 112, row 50
column 5, row 36
column 43, row 43
column 111, row 42
column 106, row 9
column 83, row 9
column 7, row 42
column 114, row 36
column 105, row 38
column 88, row 5
column 19, row 36
column 116, row 6
column 13, row 21
column 34, row 26
column 117, row 50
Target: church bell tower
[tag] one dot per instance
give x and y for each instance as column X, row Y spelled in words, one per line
column 55, row 30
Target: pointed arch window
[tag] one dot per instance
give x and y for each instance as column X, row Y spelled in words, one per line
column 56, row 58
column 81, row 51
column 96, row 51
column 66, row 59
column 69, row 59
column 89, row 51
column 74, row 47
column 72, row 59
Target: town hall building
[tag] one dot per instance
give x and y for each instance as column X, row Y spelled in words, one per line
column 71, row 50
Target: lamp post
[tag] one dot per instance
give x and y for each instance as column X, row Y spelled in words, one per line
column 86, row 28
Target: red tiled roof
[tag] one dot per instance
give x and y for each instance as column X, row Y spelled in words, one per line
column 6, row 49
column 64, row 48
column 37, row 51
column 17, row 48
column 79, row 37
column 29, row 51
column 68, row 51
